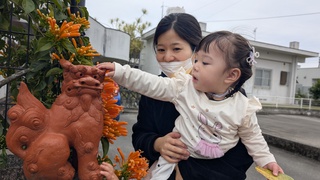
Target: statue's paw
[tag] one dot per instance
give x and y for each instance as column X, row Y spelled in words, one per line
column 66, row 172
column 95, row 175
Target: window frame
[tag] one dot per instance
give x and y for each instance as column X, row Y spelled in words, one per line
column 262, row 78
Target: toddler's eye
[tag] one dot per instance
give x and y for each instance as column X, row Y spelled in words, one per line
column 196, row 60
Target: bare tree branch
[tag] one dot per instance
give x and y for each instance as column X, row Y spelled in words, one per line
column 13, row 77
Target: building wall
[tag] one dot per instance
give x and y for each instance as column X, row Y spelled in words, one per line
column 275, row 89
column 306, row 78
column 112, row 44
column 148, row 61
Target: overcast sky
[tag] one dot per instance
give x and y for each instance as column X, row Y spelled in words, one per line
column 276, row 21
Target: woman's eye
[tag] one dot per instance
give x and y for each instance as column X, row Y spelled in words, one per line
column 176, row 49
column 160, row 50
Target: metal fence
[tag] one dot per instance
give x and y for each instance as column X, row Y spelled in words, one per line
column 289, row 102
column 129, row 99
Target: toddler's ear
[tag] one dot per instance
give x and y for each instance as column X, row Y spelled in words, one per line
column 233, row 75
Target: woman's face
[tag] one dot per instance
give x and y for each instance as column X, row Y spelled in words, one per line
column 171, row 48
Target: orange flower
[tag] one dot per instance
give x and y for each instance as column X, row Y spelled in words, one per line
column 135, row 167
column 85, row 50
column 68, row 29
column 78, row 19
column 112, row 128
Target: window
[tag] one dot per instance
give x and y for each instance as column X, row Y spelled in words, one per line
column 283, row 77
column 262, row 78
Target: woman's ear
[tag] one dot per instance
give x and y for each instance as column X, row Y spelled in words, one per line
column 233, row 75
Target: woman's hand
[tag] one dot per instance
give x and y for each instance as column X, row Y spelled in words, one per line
column 107, row 171
column 171, row 148
column 108, row 67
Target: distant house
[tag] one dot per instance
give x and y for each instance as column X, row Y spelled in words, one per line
column 273, row 76
column 112, row 44
column 306, row 77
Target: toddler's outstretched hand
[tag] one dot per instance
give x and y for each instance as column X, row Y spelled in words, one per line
column 274, row 167
column 107, row 171
column 108, row 67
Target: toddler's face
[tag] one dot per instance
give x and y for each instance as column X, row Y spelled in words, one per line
column 209, row 71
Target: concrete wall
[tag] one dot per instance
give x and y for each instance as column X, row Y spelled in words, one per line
column 112, row 44
column 2, row 89
column 289, row 111
column 305, row 78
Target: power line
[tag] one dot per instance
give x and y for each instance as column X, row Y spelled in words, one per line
column 272, row 17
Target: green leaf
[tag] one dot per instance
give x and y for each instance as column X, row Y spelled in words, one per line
column 58, row 4
column 38, row 65
column 54, row 71
column 105, row 146
column 4, row 23
column 40, row 86
column 30, row 75
column 28, row 6
column 44, row 44
column 68, row 46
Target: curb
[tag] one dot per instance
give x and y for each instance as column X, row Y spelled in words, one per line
column 295, row 147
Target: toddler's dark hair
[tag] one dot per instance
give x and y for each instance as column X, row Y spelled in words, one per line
column 236, row 50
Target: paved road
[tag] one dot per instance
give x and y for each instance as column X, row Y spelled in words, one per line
column 298, row 128
column 302, row 129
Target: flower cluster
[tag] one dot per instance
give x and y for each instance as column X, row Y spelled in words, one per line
column 78, row 19
column 66, row 30
column 82, row 50
column 135, row 167
column 112, row 128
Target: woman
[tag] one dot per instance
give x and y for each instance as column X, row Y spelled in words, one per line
column 175, row 39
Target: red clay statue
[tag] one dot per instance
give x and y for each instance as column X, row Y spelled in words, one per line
column 43, row 137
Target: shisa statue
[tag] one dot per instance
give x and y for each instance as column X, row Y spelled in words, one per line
column 43, row 137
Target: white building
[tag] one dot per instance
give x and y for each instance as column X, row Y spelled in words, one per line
column 273, row 76
column 306, row 77
column 112, row 44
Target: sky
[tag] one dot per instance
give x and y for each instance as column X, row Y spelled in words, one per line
column 276, row 22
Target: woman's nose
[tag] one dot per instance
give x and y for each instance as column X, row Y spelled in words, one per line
column 168, row 57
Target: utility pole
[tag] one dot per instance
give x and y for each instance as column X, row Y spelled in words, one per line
column 255, row 33
column 162, row 10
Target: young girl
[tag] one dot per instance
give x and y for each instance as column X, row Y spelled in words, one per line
column 213, row 113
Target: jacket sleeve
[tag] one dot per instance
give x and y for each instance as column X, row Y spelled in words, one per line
column 150, row 85
column 251, row 135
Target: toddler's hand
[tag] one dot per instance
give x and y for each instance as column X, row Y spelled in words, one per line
column 108, row 67
column 274, row 167
column 107, row 171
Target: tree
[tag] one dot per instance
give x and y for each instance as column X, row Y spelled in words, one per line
column 315, row 90
column 135, row 30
